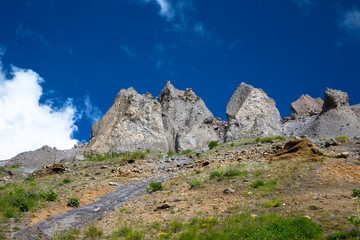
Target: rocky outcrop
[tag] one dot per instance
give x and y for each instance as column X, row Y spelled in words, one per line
column 356, row 109
column 188, row 123
column 132, row 123
column 307, row 105
column 251, row 113
column 336, row 118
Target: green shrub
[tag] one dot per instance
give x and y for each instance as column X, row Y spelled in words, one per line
column 356, row 192
column 2, row 169
column 154, row 186
column 73, row 202
column 134, row 155
column 93, row 233
column 342, row 138
column 195, row 184
column 175, row 225
column 314, row 208
column 213, row 144
column 67, row 180
column 49, row 196
column 257, row 183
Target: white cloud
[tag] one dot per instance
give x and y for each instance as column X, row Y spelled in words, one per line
column 25, row 123
column 166, row 8
column 91, row 112
column 127, row 50
column 350, row 20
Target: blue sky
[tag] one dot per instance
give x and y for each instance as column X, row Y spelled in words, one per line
column 86, row 51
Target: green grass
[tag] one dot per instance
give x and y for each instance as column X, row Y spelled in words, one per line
column 186, row 152
column 244, row 226
column 93, row 233
column 154, row 186
column 67, row 180
column 128, row 233
column 196, row 184
column 257, row 183
column 14, row 166
column 134, row 155
column 170, row 153
column 272, row 203
column 342, row 138
column 269, row 139
column 100, row 157
column 229, row 172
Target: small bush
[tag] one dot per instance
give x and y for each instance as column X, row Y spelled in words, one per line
column 49, row 196
column 356, row 192
column 93, row 233
column 213, row 144
column 257, row 183
column 273, row 203
column 314, row 208
column 154, row 186
column 175, row 225
column 73, row 202
column 195, row 184
column 2, row 169
column 269, row 139
column 128, row 233
column 67, row 180
column 342, row 138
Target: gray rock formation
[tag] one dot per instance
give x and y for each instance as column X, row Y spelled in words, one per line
column 33, row 160
column 336, row 118
column 307, row 105
column 251, row 114
column 188, row 123
column 133, row 123
column 356, row 109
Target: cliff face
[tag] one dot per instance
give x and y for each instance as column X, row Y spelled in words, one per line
column 132, row 123
column 188, row 123
column 180, row 120
column 251, row 114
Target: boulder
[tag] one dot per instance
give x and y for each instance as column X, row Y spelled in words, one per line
column 188, row 123
column 307, row 105
column 133, row 123
column 251, row 113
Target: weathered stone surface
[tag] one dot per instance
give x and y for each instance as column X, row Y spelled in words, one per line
column 307, row 105
column 356, row 109
column 251, row 114
column 336, row 118
column 188, row 123
column 132, row 123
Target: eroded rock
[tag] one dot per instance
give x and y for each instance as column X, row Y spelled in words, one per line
column 251, row 114
column 133, row 123
column 307, row 105
column 188, row 123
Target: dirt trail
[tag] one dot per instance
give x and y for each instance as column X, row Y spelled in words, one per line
column 78, row 218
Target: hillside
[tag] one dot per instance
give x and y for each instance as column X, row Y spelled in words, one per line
column 243, row 177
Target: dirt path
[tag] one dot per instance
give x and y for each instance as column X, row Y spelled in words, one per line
column 78, row 218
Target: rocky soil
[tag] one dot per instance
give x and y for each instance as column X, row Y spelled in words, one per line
column 114, row 187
